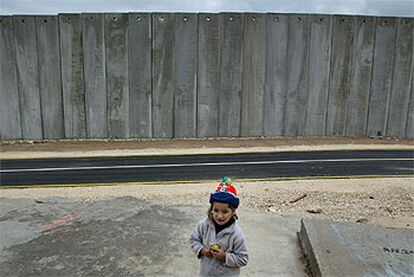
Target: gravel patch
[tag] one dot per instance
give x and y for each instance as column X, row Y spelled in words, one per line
column 384, row 201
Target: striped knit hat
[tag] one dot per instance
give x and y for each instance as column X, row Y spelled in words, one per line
column 225, row 193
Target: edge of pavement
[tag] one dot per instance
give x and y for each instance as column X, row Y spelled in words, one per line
column 162, row 147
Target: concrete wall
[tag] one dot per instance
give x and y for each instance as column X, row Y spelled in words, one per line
column 165, row 75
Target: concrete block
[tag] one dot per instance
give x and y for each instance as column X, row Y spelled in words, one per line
column 381, row 76
column 163, row 75
column 71, row 54
column 28, row 76
column 9, row 97
column 319, row 65
column 116, row 45
column 140, row 73
column 231, row 25
column 402, row 74
column 253, row 75
column 95, row 75
column 409, row 132
column 208, row 79
column 47, row 29
column 339, row 77
column 360, row 79
column 298, row 73
column 351, row 249
column 276, row 33
column 185, row 74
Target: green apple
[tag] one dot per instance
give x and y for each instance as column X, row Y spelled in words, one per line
column 215, row 246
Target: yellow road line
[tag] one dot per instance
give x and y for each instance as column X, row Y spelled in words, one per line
column 273, row 179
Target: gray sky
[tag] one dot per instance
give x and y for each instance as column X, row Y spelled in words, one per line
column 362, row 7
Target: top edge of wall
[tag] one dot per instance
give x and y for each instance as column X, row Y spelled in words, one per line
column 201, row 13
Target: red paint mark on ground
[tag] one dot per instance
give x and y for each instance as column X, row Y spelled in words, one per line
column 51, row 227
column 136, row 254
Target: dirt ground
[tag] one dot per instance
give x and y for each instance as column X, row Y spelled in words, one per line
column 387, row 201
column 383, row 201
column 97, row 145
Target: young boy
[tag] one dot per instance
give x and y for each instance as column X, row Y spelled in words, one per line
column 218, row 240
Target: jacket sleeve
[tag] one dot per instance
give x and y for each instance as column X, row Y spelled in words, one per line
column 196, row 239
column 239, row 256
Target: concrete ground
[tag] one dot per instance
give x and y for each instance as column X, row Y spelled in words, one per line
column 129, row 237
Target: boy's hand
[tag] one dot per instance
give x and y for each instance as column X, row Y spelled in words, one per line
column 206, row 252
column 218, row 254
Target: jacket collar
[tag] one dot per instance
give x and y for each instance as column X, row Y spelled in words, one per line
column 229, row 229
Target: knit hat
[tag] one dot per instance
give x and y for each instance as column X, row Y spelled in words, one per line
column 225, row 193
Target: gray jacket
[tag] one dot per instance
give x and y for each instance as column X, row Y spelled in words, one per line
column 231, row 239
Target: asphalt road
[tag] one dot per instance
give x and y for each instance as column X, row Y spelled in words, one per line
column 206, row 167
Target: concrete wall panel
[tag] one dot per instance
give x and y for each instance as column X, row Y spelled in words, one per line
column 208, row 79
column 297, row 85
column 95, row 76
column 275, row 74
column 230, row 74
column 360, row 79
column 28, row 76
column 9, row 97
column 71, row 54
column 116, row 47
column 253, row 75
column 140, row 73
column 409, row 132
column 402, row 74
column 163, row 75
column 319, row 67
column 339, row 83
column 50, row 82
column 185, row 74
column 384, row 48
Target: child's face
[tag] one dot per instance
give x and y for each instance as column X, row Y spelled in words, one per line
column 221, row 213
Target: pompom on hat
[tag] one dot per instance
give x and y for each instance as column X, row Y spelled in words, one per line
column 225, row 193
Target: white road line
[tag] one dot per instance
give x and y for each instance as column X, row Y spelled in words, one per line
column 198, row 164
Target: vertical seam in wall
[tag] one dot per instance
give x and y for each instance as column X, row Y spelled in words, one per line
column 82, row 59
column 371, row 75
column 14, row 46
column 266, row 16
column 396, row 31
column 87, row 120
column 195, row 86
column 61, row 77
column 150, row 26
column 325, row 124
column 12, row 18
column 308, row 34
column 173, row 16
column 410, row 88
column 102, row 19
column 152, row 72
column 38, row 78
column 331, row 60
column 220, row 46
column 241, row 41
column 127, row 126
column 307, row 81
column 288, row 42
column 105, row 15
column 350, row 67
